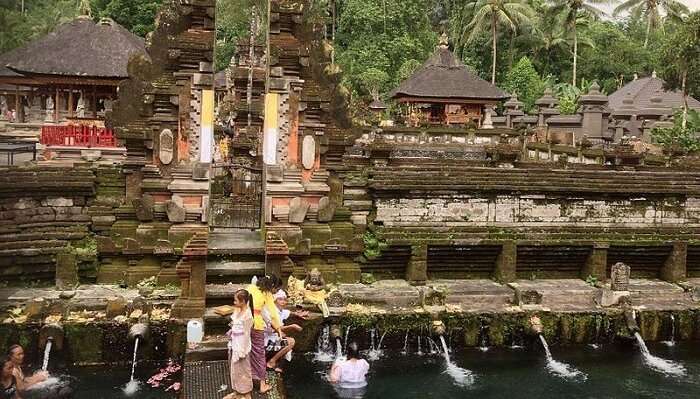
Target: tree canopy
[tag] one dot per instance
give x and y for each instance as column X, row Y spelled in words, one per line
column 379, row 43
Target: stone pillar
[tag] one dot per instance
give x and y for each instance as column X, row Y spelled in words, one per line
column 66, row 271
column 417, row 269
column 674, row 269
column 192, row 270
column 506, row 262
column 597, row 262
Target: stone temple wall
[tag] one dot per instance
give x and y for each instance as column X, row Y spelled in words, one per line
column 533, row 210
column 52, row 220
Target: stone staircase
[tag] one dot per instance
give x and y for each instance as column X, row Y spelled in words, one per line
column 235, row 256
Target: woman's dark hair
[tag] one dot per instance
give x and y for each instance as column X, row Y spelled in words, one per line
column 242, row 295
column 269, row 283
column 3, row 361
column 352, row 351
column 12, row 349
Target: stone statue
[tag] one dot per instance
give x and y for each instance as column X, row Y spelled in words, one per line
column 49, row 109
column 315, row 291
column 3, row 108
column 295, row 290
column 488, row 123
column 80, row 109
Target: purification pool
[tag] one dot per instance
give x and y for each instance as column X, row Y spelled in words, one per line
column 608, row 371
column 105, row 382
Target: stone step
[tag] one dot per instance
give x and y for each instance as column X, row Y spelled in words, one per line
column 236, row 242
column 213, row 347
column 221, row 294
column 215, row 324
column 223, row 271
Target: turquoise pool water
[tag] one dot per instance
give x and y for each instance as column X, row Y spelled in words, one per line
column 610, row 371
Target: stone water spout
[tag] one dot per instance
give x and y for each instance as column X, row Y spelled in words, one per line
column 336, row 331
column 536, row 326
column 631, row 321
column 438, row 327
column 51, row 332
column 139, row 330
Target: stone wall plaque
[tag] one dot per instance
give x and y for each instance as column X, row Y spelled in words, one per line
column 308, row 152
column 167, row 146
column 326, row 210
column 620, row 277
column 297, row 210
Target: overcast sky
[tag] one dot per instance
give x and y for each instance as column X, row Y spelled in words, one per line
column 692, row 4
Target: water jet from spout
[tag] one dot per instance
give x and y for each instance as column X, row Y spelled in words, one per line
column 658, row 364
column 558, row 368
column 461, row 377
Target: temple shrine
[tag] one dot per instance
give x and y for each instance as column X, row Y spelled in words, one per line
column 444, row 91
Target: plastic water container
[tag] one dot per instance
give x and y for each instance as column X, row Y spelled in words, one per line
column 195, row 332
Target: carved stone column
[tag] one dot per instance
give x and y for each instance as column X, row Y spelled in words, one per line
column 674, row 269
column 417, row 269
column 596, row 263
column 506, row 262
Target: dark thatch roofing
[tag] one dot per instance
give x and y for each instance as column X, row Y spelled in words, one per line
column 79, row 48
column 641, row 92
column 4, row 60
column 444, row 76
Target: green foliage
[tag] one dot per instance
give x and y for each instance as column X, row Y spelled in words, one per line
column 233, row 23
column 373, row 246
column 41, row 17
column 568, row 97
column 591, row 280
column 679, row 138
column 137, row 16
column 681, row 56
column 381, row 35
column 85, row 248
column 367, row 278
column 524, row 80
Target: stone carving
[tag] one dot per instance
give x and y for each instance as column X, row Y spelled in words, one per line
column 80, row 109
column 144, row 208
column 620, row 277
column 326, row 209
column 176, row 212
column 3, row 108
column 488, row 123
column 49, row 109
column 308, row 152
column 527, row 297
column 167, row 146
column 297, row 210
column 315, row 291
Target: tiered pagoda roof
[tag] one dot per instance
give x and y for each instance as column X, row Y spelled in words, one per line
column 444, row 77
column 647, row 93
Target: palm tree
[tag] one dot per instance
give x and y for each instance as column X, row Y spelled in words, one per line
column 651, row 10
column 570, row 11
column 491, row 14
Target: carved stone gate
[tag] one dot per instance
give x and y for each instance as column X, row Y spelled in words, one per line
column 236, row 195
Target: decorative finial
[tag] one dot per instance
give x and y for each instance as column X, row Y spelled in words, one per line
column 595, row 88
column 636, row 76
column 85, row 8
column 653, row 74
column 444, row 41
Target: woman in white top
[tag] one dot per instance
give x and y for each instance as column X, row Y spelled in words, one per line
column 350, row 376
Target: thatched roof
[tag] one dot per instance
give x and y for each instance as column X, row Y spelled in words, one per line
column 78, row 48
column 645, row 93
column 443, row 76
